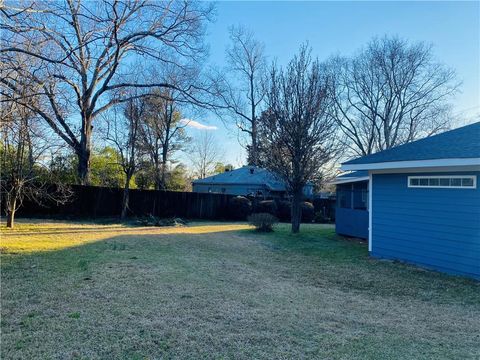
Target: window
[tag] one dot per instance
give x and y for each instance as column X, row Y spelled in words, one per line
column 344, row 199
column 352, row 196
column 444, row 181
column 360, row 199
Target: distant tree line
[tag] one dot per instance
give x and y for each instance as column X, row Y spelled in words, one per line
column 93, row 92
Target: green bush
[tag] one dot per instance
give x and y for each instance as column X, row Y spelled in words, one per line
column 240, row 207
column 308, row 212
column 263, row 222
column 267, row 206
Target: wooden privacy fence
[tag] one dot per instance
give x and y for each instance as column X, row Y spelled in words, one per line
column 97, row 202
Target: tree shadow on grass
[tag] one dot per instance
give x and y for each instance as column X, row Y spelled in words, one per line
column 194, row 295
column 316, row 258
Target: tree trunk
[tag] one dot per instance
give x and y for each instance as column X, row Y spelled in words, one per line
column 296, row 210
column 163, row 174
column 12, row 203
column 158, row 178
column 163, row 185
column 28, row 139
column 126, row 197
column 165, row 148
column 10, row 218
column 84, row 152
column 83, row 166
column 254, row 152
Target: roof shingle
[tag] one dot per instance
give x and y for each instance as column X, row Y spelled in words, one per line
column 459, row 143
column 245, row 175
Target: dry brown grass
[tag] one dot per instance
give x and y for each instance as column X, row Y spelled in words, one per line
column 90, row 291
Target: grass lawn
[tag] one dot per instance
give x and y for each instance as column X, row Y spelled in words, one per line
column 221, row 291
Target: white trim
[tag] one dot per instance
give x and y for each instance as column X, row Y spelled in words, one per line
column 349, row 180
column 370, row 210
column 473, row 177
column 442, row 169
column 411, row 164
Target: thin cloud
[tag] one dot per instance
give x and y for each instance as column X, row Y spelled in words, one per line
column 197, row 125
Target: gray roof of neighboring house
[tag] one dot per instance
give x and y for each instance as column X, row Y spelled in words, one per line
column 354, row 176
column 245, row 176
column 459, row 143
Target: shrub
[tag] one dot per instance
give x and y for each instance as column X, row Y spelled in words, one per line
column 151, row 220
column 321, row 219
column 262, row 221
column 267, row 206
column 240, row 207
column 308, row 212
column 284, row 209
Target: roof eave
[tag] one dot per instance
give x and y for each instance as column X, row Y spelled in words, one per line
column 349, row 180
column 228, row 183
column 411, row 164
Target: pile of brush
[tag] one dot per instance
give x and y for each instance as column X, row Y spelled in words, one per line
column 151, row 220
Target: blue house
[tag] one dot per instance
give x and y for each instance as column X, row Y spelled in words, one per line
column 246, row 181
column 424, row 201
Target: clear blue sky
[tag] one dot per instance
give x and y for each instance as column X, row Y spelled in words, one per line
column 342, row 28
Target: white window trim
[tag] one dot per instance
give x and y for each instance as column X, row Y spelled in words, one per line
column 473, row 177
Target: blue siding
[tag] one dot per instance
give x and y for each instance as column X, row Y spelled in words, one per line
column 351, row 222
column 351, row 215
column 435, row 228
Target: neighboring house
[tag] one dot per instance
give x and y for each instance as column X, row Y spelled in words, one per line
column 351, row 210
column 245, row 181
column 424, row 201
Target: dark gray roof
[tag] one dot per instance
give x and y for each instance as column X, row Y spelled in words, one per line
column 459, row 143
column 351, row 177
column 245, row 175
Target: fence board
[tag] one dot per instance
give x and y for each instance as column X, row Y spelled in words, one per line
column 97, row 202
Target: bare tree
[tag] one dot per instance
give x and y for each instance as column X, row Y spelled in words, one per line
column 243, row 92
column 123, row 132
column 85, row 49
column 162, row 132
column 298, row 134
column 23, row 148
column 390, row 93
column 204, row 154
